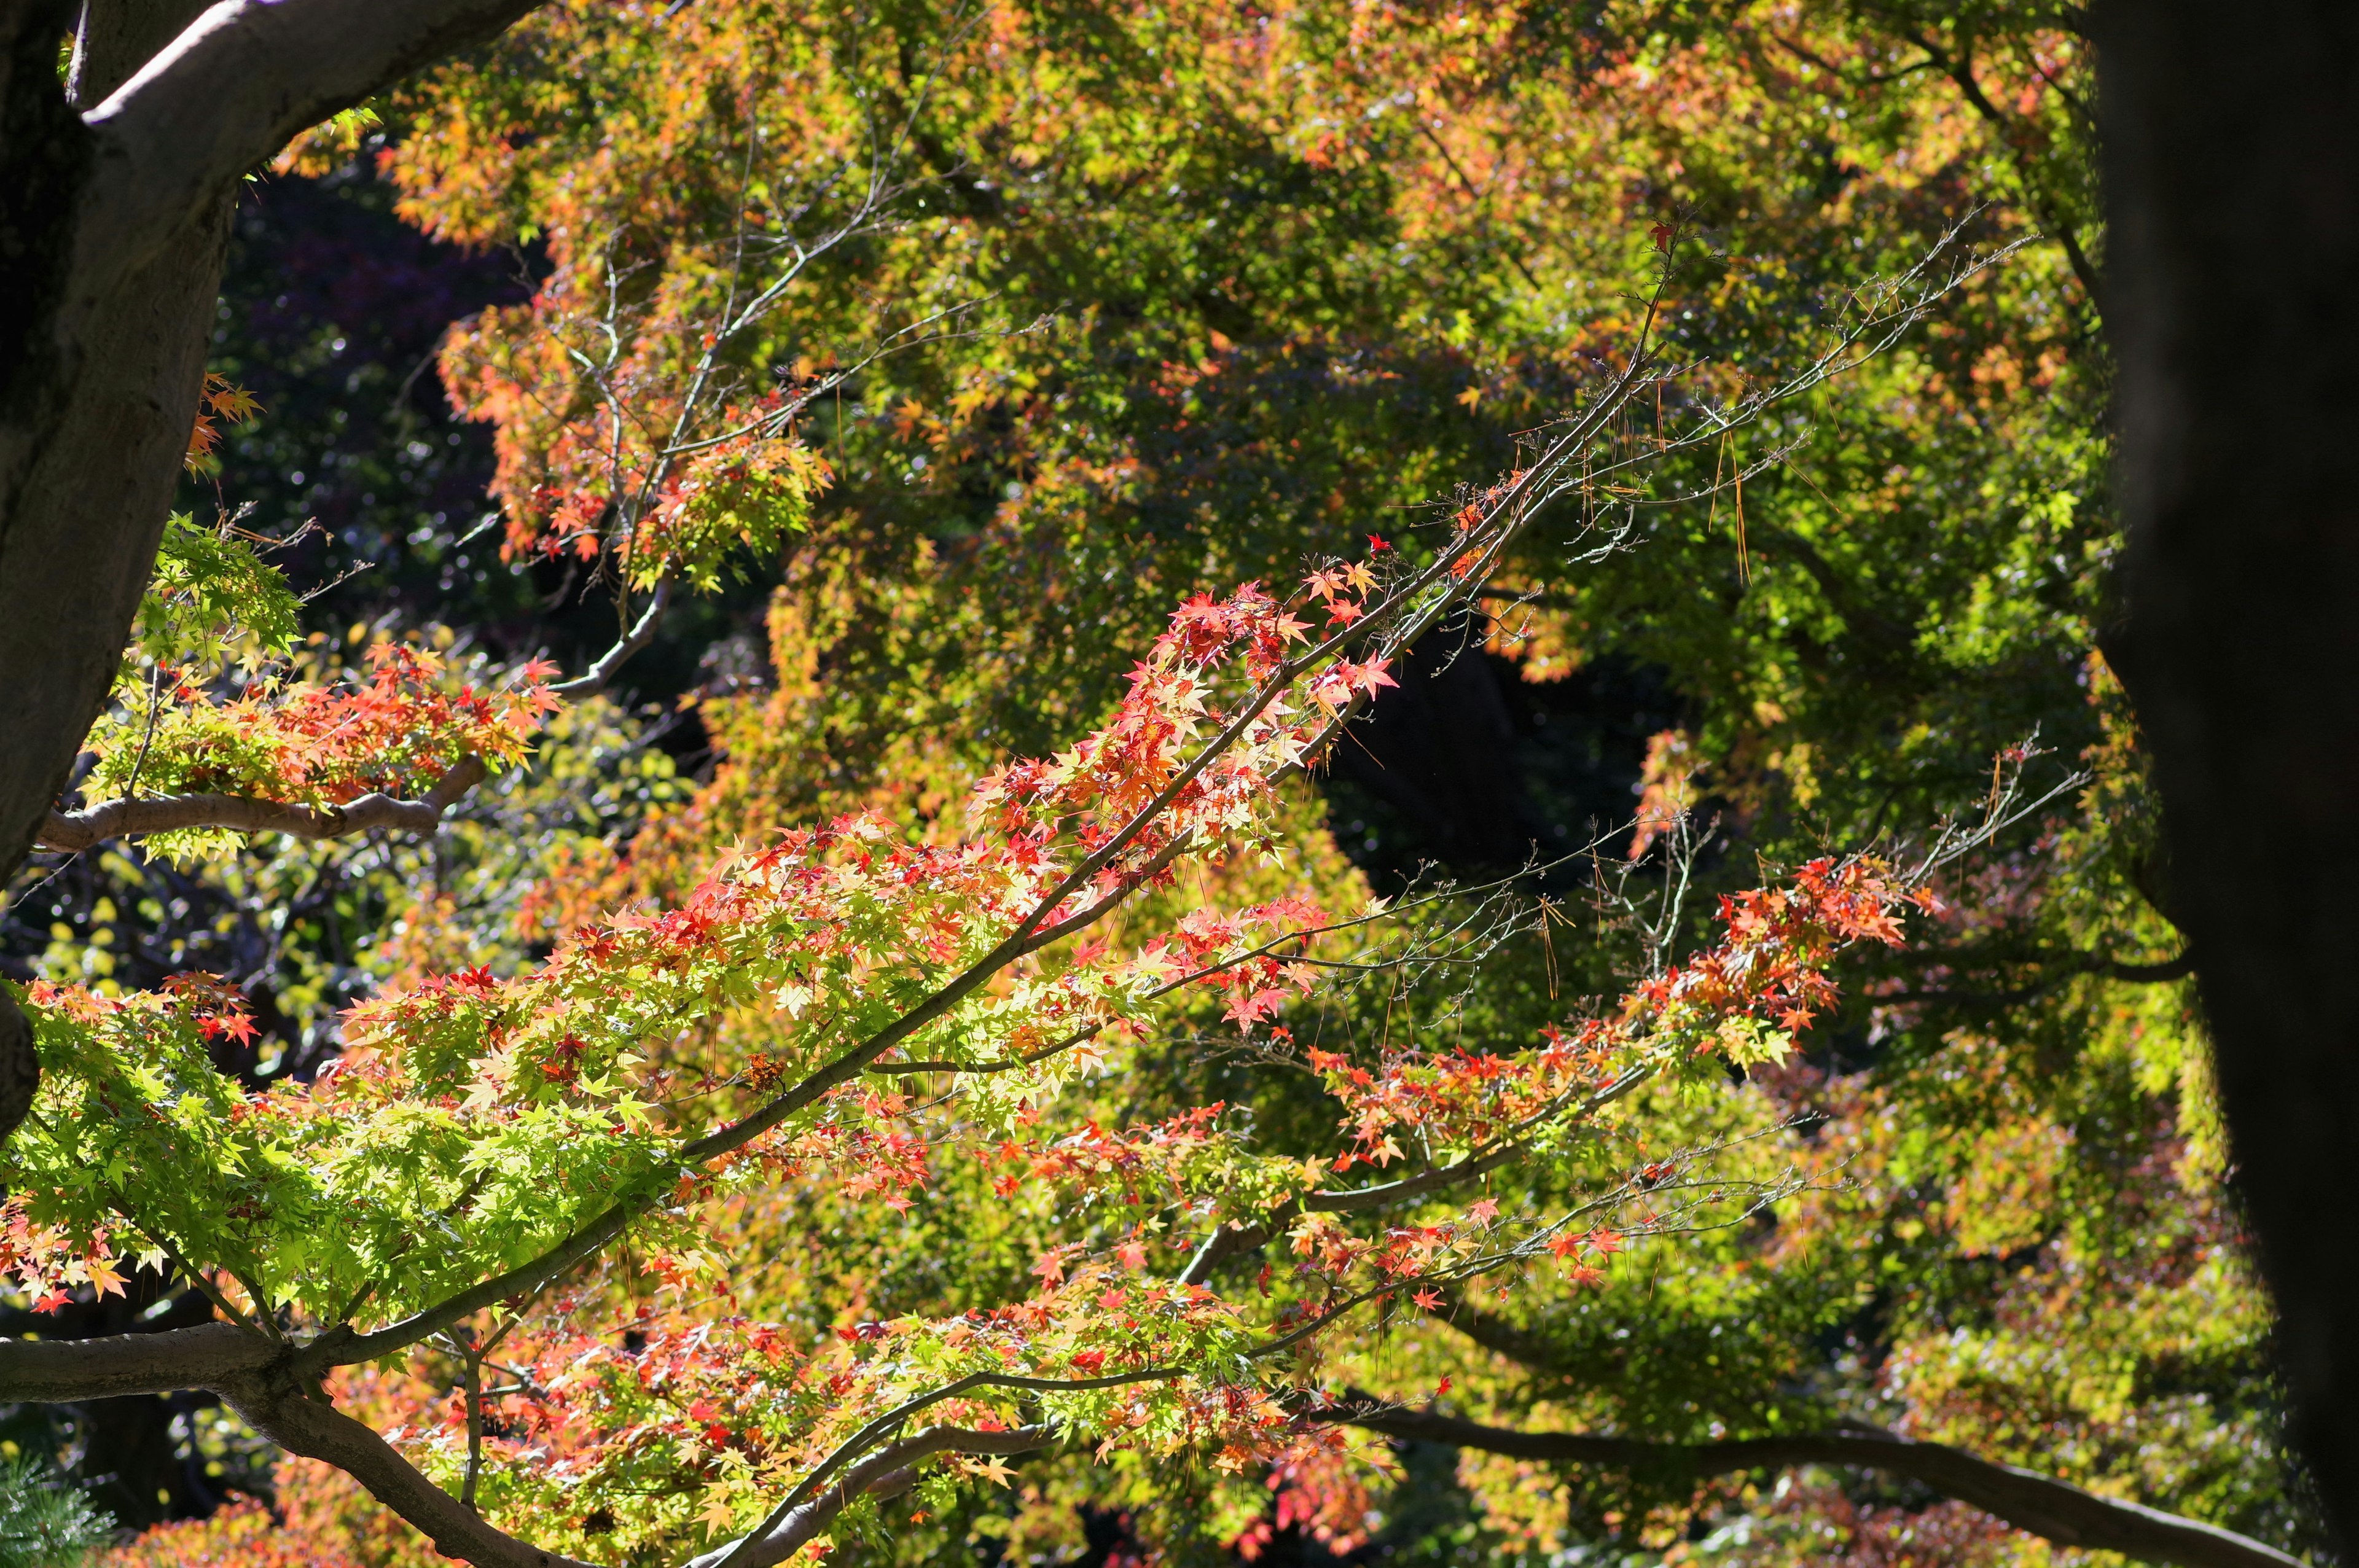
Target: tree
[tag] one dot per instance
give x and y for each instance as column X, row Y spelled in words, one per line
column 2237, row 642
column 1811, row 616
column 382, row 1194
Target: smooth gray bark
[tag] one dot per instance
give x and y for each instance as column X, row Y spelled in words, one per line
column 2232, row 186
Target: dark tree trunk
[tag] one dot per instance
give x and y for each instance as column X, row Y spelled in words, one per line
column 99, row 419
column 2233, row 172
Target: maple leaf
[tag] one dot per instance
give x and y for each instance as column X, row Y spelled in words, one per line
column 1661, row 235
column 1470, row 398
column 1430, row 1299
column 996, row 1472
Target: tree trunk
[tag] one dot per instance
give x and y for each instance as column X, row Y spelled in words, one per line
column 101, row 419
column 2233, row 181
column 112, row 222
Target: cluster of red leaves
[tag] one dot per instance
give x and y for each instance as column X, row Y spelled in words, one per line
column 1326, row 1245
column 48, row 1261
column 1771, row 963
column 402, row 727
column 1219, row 949
column 242, row 1534
column 813, row 913
column 856, row 1146
column 398, row 732
column 219, row 1008
column 1322, row 1492
column 674, row 1393
column 1109, row 777
column 1143, row 1157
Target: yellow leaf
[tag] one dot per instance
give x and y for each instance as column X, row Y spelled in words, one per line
column 1470, row 398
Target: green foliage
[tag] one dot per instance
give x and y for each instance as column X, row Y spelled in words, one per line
column 214, row 600
column 43, row 1523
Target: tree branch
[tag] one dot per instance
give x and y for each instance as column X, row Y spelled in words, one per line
column 2029, row 1501
column 246, row 78
column 886, row 1472
column 76, row 830
column 317, row 1430
column 593, row 681
column 245, row 814
column 50, row 1371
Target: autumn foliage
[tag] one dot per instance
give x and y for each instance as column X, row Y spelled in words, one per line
column 1021, row 1079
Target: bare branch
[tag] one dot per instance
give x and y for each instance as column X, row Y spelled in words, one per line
column 593, row 681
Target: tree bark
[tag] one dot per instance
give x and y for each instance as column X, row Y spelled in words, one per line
column 101, row 427
column 2232, row 185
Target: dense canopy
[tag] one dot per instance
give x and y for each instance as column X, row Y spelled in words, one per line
column 1108, row 782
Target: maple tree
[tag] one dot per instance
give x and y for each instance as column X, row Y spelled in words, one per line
column 986, row 514
column 476, row 1140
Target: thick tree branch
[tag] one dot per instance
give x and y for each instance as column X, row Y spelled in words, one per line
column 245, row 814
column 245, row 79
column 2038, row 1504
column 50, row 1371
column 255, row 1376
